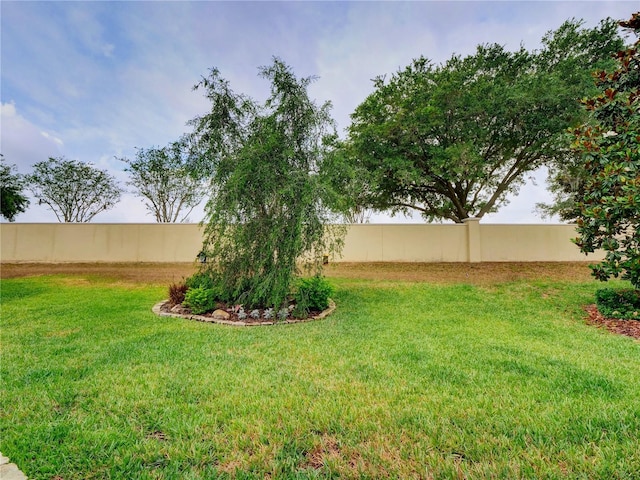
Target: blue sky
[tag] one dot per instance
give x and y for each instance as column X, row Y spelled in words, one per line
column 93, row 80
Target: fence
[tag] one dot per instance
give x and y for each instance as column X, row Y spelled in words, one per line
column 467, row 242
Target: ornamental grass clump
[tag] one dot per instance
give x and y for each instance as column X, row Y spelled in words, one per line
column 177, row 292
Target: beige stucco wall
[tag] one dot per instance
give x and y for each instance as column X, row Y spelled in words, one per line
column 99, row 242
column 472, row 241
column 405, row 243
column 536, row 243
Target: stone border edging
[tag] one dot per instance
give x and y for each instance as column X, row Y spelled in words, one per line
column 10, row 471
column 157, row 309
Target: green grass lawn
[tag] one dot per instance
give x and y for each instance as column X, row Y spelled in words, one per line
column 405, row 380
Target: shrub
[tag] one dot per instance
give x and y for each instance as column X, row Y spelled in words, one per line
column 312, row 294
column 623, row 304
column 176, row 293
column 200, row 299
column 202, row 279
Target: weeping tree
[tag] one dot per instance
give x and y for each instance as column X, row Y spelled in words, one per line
column 267, row 211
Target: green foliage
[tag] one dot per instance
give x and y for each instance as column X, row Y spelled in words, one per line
column 609, row 145
column 75, row 191
column 202, row 278
column 177, row 292
column 163, row 178
column 567, row 175
column 200, row 299
column 616, row 303
column 347, row 186
column 566, row 179
column 12, row 200
column 268, row 211
column 312, row 294
column 452, row 140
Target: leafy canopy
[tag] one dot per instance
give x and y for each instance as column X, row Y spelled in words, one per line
column 565, row 182
column 452, row 140
column 12, row 200
column 609, row 146
column 347, row 186
column 75, row 191
column 163, row 178
column 266, row 211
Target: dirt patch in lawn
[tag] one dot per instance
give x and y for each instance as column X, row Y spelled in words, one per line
column 151, row 273
column 447, row 273
column 469, row 273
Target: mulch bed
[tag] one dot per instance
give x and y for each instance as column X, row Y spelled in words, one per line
column 630, row 328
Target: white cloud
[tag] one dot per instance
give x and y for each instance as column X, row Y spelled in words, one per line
column 24, row 143
column 48, row 136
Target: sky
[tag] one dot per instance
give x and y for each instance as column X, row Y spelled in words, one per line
column 92, row 81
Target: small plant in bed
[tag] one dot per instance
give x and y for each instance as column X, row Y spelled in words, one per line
column 312, row 295
column 200, row 299
column 619, row 303
column 202, row 279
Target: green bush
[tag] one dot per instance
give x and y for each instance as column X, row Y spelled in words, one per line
column 312, row 294
column 200, row 299
column 623, row 304
column 201, row 279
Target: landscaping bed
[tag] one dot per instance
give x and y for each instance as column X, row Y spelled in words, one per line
column 229, row 315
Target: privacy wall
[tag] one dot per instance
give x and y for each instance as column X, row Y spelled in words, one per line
column 468, row 242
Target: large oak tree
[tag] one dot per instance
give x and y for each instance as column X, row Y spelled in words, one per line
column 452, row 140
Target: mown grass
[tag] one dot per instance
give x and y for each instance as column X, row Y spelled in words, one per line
column 405, row 380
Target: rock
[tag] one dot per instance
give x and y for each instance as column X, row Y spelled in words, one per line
column 220, row 315
column 177, row 309
column 9, row 471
